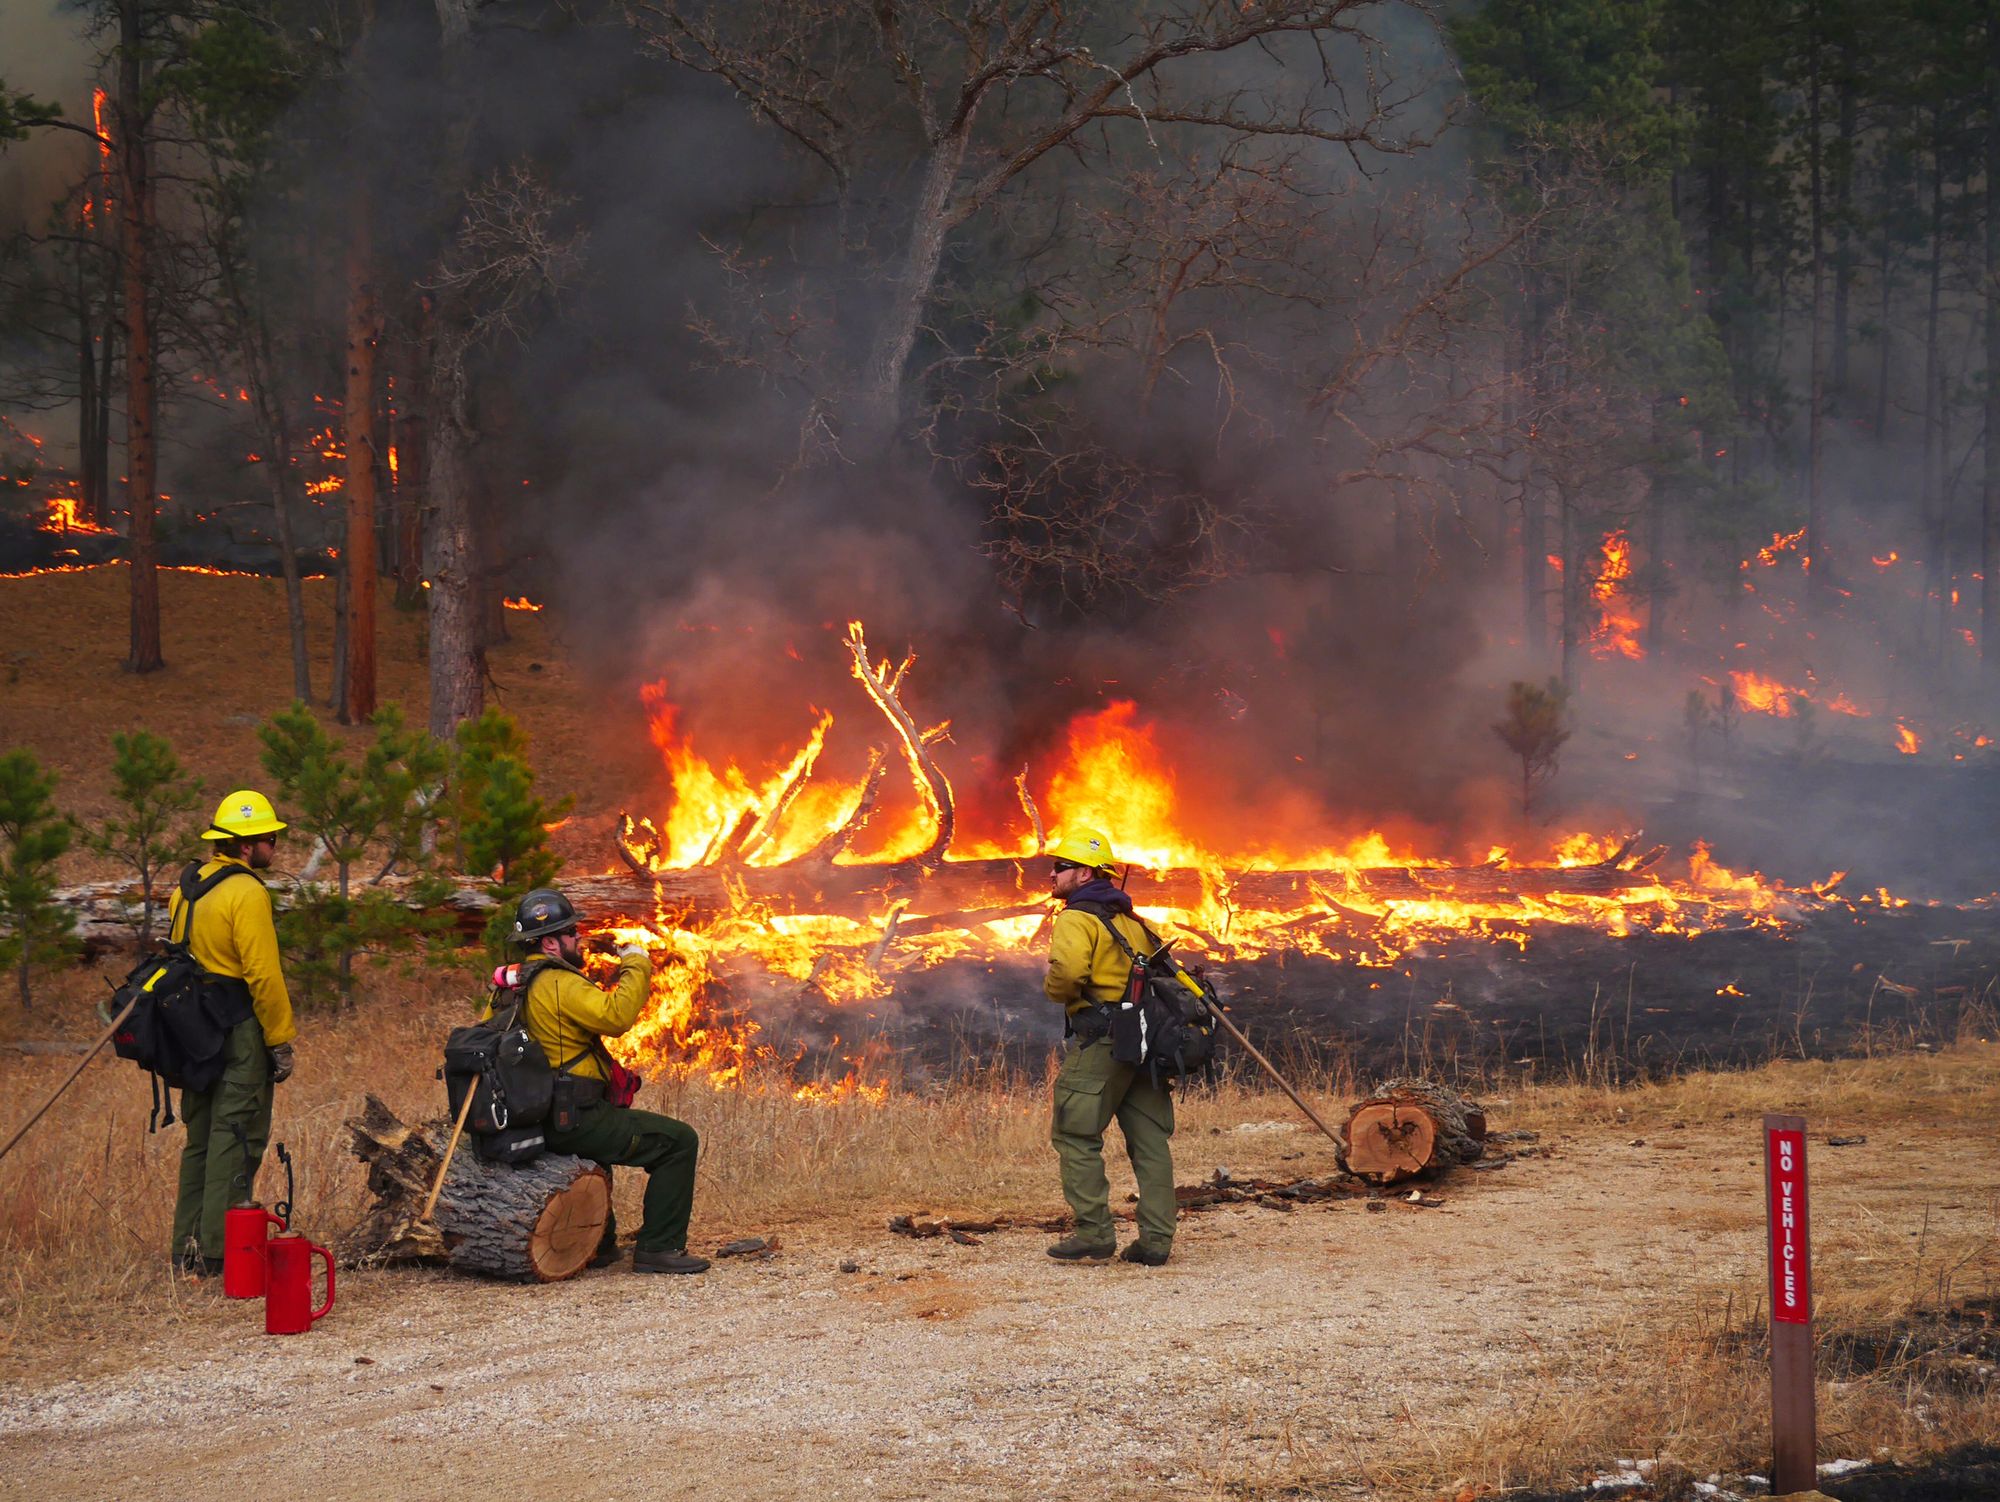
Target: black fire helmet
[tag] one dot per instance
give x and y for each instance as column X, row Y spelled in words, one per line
column 542, row 912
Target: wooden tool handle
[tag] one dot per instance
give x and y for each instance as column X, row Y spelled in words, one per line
column 458, row 1130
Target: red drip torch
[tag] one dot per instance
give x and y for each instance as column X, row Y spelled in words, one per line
column 246, row 1234
column 288, row 1305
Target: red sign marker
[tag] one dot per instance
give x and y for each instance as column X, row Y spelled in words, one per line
column 1794, row 1412
column 1791, row 1273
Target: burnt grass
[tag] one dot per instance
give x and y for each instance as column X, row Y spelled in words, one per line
column 1573, row 1003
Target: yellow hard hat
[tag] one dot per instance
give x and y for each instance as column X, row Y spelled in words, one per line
column 1084, row 847
column 243, row 815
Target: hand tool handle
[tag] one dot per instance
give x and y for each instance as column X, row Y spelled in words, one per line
column 464, row 1110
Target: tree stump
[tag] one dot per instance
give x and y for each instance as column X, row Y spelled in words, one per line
column 1409, row 1128
column 538, row 1222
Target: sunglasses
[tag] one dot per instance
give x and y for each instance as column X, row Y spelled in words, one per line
column 1062, row 866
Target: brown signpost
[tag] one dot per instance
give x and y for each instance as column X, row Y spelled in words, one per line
column 1794, row 1416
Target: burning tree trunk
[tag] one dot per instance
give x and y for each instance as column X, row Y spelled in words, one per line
column 142, row 396
column 979, row 890
column 536, row 1223
column 364, row 332
column 1410, row 1128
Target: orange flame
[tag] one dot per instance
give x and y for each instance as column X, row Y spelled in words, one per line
column 1617, row 631
column 1363, row 900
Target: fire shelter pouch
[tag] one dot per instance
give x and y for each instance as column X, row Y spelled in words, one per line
column 1128, row 1034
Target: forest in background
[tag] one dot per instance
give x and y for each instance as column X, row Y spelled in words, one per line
column 1057, row 334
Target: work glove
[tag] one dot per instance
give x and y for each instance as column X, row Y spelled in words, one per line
column 281, row 1063
column 632, row 952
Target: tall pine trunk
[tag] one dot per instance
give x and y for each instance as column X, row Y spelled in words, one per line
column 1816, row 549
column 141, row 389
column 359, row 422
column 1937, row 578
column 451, row 563
column 1534, row 510
column 86, row 394
column 1843, row 202
column 1989, row 552
column 412, row 468
column 451, row 551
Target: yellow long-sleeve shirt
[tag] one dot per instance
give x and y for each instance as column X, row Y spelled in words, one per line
column 235, row 934
column 1086, row 966
column 565, row 1013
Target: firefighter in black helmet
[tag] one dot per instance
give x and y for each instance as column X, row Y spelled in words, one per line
column 594, row 1118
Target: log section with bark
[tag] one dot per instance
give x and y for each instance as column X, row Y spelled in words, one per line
column 1410, row 1128
column 535, row 1223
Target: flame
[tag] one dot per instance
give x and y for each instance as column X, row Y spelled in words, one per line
column 1616, row 633
column 1761, row 695
column 1365, row 899
column 62, row 517
column 521, row 602
column 1781, row 542
column 1907, row 740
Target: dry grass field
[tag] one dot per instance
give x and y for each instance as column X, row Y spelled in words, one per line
column 1597, row 1299
column 1600, row 1301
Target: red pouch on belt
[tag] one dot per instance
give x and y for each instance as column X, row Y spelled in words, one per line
column 621, row 1085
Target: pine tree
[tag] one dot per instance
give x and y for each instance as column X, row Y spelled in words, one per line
column 159, row 798
column 1535, row 730
column 378, row 805
column 33, row 837
column 502, row 825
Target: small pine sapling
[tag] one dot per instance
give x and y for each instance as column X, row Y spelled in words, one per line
column 33, row 837
column 352, row 810
column 160, row 800
column 1535, row 729
column 502, row 830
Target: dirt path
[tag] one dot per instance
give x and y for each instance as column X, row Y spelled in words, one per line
column 939, row 1370
column 953, row 1373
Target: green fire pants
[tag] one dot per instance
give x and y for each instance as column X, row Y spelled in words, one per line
column 1091, row 1092
column 228, row 1127
column 620, row 1137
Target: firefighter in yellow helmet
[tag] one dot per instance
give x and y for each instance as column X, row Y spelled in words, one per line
column 1087, row 969
column 234, row 939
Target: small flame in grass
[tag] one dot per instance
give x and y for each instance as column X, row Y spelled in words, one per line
column 520, row 602
column 62, row 517
column 1893, row 558
column 1781, row 543
column 1907, row 740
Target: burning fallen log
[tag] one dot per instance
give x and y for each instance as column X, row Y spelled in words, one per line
column 1409, row 1129
column 539, row 1222
column 975, row 887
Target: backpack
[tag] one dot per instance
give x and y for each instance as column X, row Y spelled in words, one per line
column 516, row 1094
column 508, row 1075
column 1163, row 1020
column 180, row 1014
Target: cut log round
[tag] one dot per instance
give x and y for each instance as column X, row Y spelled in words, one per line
column 537, row 1222
column 1410, row 1128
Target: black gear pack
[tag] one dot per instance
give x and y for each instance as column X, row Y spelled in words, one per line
column 1164, row 1020
column 516, row 1093
column 508, row 1075
column 180, row 1014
